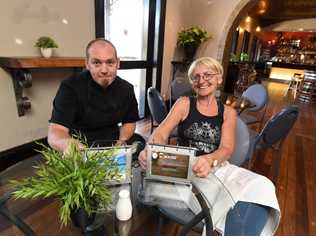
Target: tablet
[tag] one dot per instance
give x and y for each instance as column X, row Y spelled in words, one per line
column 170, row 163
column 122, row 159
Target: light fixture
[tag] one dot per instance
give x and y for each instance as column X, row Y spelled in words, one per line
column 258, row 29
column 65, row 21
column 248, row 19
column 18, row 41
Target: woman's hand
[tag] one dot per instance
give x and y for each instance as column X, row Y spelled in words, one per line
column 203, row 166
column 142, row 159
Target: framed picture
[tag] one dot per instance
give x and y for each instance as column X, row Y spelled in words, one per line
column 170, row 163
column 122, row 159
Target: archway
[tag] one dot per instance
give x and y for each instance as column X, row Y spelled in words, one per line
column 230, row 26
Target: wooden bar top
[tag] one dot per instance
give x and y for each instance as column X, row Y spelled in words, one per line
column 294, row 65
column 41, row 62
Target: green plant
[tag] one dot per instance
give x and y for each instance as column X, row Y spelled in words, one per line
column 233, row 57
column 78, row 181
column 193, row 36
column 45, row 42
column 244, row 56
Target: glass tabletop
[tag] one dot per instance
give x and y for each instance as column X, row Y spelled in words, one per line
column 42, row 215
column 238, row 102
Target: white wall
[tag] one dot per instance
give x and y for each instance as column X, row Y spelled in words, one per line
column 26, row 21
column 216, row 16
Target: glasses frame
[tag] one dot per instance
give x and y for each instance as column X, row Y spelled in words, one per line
column 206, row 76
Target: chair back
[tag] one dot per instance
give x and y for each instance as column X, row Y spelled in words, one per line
column 257, row 94
column 278, row 127
column 157, row 106
column 242, row 143
column 180, row 86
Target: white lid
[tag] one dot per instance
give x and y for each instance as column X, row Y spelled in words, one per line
column 124, row 193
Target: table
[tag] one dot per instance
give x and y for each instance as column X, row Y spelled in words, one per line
column 42, row 215
column 237, row 102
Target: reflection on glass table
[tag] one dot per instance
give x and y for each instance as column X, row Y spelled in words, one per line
column 239, row 103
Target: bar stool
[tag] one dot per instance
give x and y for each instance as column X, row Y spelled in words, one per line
column 294, row 83
column 307, row 89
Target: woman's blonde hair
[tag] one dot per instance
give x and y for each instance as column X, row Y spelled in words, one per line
column 209, row 62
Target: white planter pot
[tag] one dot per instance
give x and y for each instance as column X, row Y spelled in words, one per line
column 46, row 52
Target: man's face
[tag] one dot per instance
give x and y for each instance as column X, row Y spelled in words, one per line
column 102, row 63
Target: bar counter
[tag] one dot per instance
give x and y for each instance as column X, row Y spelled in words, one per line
column 284, row 71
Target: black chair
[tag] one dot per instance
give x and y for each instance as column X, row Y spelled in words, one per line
column 180, row 86
column 157, row 107
column 184, row 216
column 273, row 135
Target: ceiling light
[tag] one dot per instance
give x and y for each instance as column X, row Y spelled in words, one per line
column 258, row 29
column 248, row 19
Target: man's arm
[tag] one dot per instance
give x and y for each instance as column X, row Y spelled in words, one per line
column 126, row 131
column 58, row 137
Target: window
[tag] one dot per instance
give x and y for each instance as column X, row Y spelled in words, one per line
column 136, row 28
column 245, row 42
column 234, row 43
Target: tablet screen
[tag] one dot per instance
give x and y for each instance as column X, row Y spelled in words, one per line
column 121, row 159
column 170, row 163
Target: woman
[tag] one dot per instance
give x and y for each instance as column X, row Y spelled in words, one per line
column 205, row 123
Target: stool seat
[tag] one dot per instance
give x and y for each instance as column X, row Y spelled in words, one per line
column 294, row 84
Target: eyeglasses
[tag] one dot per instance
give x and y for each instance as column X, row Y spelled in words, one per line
column 207, row 76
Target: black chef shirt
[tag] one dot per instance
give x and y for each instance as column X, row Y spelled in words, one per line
column 86, row 108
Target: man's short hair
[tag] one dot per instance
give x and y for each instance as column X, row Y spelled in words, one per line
column 99, row 40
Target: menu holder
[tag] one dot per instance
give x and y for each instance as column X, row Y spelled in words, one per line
column 122, row 159
column 170, row 163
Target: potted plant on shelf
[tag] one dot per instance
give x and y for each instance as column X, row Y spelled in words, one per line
column 46, row 45
column 190, row 39
column 244, row 56
column 76, row 180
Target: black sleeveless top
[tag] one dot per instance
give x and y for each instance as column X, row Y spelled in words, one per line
column 200, row 131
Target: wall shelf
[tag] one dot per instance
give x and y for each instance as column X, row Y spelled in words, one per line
column 19, row 68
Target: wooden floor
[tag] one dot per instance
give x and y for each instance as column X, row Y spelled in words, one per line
column 296, row 187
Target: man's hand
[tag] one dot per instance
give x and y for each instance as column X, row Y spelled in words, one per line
column 142, row 159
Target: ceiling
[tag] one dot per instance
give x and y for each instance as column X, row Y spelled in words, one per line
column 286, row 15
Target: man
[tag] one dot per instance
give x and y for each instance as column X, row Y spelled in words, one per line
column 95, row 102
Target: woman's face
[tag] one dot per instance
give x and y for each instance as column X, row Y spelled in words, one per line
column 205, row 81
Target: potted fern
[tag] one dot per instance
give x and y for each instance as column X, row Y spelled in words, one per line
column 190, row 39
column 77, row 181
column 46, row 45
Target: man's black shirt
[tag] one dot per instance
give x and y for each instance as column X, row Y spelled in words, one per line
column 86, row 108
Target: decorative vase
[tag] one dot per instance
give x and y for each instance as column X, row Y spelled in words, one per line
column 189, row 52
column 46, row 52
column 124, row 206
column 81, row 219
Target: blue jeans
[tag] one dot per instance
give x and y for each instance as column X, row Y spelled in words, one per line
column 246, row 219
